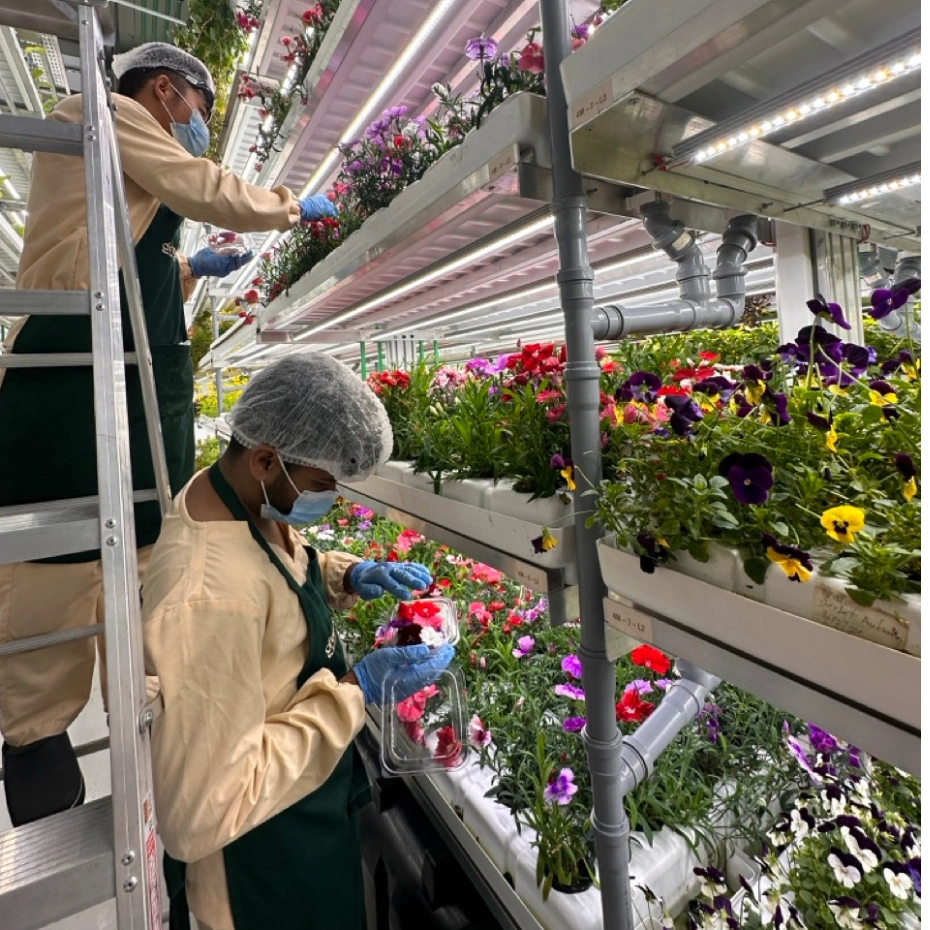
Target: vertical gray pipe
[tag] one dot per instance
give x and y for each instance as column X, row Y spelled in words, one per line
column 576, row 289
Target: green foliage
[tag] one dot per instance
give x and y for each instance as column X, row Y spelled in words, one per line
column 213, row 35
column 207, row 452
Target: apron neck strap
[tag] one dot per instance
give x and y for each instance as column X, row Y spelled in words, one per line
column 229, row 497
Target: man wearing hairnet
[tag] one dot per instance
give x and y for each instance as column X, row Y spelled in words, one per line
column 47, row 440
column 256, row 780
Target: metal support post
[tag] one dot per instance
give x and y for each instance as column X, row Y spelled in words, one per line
column 794, row 278
column 215, row 318
column 436, row 351
column 364, row 357
column 420, row 352
column 380, row 356
column 576, row 289
column 836, row 276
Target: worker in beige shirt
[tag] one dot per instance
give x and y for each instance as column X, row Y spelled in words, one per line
column 46, row 414
column 256, row 781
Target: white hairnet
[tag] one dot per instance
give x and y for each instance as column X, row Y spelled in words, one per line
column 162, row 55
column 315, row 412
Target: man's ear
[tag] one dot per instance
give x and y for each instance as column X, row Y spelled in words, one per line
column 264, row 464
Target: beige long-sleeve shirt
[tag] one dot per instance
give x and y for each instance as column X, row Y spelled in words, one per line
column 234, row 741
column 156, row 169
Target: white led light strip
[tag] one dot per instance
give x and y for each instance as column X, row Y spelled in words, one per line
column 447, row 268
column 888, row 187
column 374, row 101
column 881, row 66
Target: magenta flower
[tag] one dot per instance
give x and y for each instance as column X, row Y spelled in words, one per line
column 525, row 645
column 820, row 308
column 571, row 665
column 570, row 691
column 478, row 734
column 573, row 724
column 750, row 476
column 663, row 684
column 640, row 685
column 561, row 789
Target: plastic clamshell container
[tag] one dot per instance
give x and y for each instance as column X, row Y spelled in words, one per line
column 446, row 610
column 427, row 732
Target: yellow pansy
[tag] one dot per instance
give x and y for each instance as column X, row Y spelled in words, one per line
column 754, row 392
column 832, row 437
column 842, row 523
column 790, row 565
column 880, row 399
column 548, row 540
column 909, row 489
column 568, row 473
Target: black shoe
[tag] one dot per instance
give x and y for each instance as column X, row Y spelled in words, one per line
column 41, row 778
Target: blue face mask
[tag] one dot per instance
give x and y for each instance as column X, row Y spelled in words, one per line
column 193, row 135
column 309, row 507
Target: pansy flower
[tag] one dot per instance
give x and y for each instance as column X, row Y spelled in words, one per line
column 545, row 542
column 899, row 881
column 845, row 912
column 882, row 393
column 886, row 300
column 827, row 347
column 846, row 867
column 685, row 413
column 843, row 522
column 641, row 385
column 750, row 476
column 905, row 465
column 828, row 311
column 794, row 562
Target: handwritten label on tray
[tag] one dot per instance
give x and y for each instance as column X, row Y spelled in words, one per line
column 531, row 576
column 502, row 163
column 629, row 620
column 836, row 609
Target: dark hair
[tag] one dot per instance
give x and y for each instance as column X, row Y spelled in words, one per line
column 235, row 448
column 133, row 82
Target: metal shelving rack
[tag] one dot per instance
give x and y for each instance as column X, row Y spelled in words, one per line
column 632, row 99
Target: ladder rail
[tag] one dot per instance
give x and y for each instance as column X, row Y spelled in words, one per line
column 134, row 851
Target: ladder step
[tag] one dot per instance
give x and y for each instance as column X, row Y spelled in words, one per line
column 40, row 531
column 57, row 867
column 31, row 643
column 55, row 360
column 85, row 749
column 47, row 303
column 32, row 134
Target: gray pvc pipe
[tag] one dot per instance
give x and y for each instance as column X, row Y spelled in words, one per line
column 873, row 273
column 582, row 375
column 678, row 708
column 695, row 308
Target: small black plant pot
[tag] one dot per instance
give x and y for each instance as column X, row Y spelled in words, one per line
column 580, row 884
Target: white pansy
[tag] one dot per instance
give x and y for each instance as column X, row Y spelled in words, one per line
column 432, row 638
column 847, row 875
column 799, row 826
column 900, row 883
column 846, row 917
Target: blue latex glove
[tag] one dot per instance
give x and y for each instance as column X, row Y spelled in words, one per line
column 207, row 264
column 371, row 580
column 316, row 207
column 412, row 668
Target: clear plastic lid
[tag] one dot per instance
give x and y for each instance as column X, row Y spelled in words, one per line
column 227, row 243
column 431, row 620
column 428, row 731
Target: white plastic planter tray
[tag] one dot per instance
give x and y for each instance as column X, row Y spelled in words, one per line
column 666, row 866
column 493, row 524
column 862, row 691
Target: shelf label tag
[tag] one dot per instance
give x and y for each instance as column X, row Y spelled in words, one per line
column 629, row 620
column 502, row 163
column 531, row 576
column 834, row 608
column 592, row 104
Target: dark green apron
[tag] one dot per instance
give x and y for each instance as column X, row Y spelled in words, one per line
column 47, row 439
column 303, row 867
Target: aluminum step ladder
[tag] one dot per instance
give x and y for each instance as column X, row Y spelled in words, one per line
column 61, row 865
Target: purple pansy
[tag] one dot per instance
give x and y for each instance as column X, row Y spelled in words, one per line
column 778, row 405
column 884, row 301
column 716, row 386
column 558, row 461
column 571, row 665
column 822, row 741
column 893, row 364
column 828, row 348
column 819, row 307
column 857, row 358
column 750, row 476
column 561, row 789
column 685, row 413
column 573, row 724
column 641, row 385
